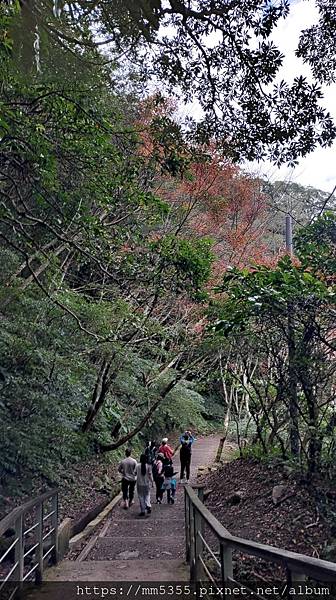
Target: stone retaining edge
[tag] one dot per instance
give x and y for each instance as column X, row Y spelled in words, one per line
column 95, row 522
column 67, row 527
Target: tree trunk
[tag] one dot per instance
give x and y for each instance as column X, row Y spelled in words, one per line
column 99, row 394
column 228, row 402
column 292, row 385
column 24, row 36
column 128, row 436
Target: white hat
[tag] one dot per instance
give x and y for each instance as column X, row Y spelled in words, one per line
column 165, row 439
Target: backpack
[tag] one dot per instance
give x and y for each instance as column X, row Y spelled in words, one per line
column 168, row 470
column 148, row 455
column 155, row 470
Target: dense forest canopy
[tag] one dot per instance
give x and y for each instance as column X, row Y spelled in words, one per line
column 143, row 279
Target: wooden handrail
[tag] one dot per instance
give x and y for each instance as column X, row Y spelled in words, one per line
column 295, row 562
column 300, row 563
column 221, row 532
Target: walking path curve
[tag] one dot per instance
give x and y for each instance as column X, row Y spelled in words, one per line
column 131, row 548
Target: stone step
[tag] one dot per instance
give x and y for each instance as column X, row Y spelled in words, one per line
column 165, row 510
column 116, row 570
column 130, row 527
column 151, row 548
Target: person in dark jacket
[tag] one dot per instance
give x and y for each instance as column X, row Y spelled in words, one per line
column 185, row 457
column 169, row 482
column 158, row 476
column 150, row 452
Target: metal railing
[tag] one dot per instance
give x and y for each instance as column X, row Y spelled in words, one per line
column 215, row 564
column 32, row 532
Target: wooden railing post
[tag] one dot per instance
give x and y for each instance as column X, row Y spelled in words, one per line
column 295, row 577
column 54, row 521
column 226, row 563
column 39, row 552
column 187, row 524
column 198, row 546
column 19, row 549
column 192, row 540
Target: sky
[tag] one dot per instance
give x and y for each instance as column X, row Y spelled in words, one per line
column 318, row 169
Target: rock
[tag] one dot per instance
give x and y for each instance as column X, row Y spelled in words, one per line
column 278, row 492
column 288, row 470
column 128, row 554
column 202, row 470
column 207, row 493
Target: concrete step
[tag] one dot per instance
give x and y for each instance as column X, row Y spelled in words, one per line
column 164, row 510
column 117, row 570
column 130, row 528
column 132, row 548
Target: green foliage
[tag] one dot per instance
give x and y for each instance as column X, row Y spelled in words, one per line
column 42, row 394
column 102, row 288
column 276, row 328
column 237, row 84
column 264, row 291
column 7, row 14
column 257, row 452
column 316, row 244
column 192, row 260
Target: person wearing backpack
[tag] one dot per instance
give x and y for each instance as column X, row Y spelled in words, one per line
column 158, row 477
column 169, row 482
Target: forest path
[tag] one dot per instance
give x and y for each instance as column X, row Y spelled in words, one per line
column 133, row 548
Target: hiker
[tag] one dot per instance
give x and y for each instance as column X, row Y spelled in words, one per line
column 127, row 468
column 190, row 437
column 169, row 482
column 158, row 477
column 185, row 457
column 166, row 450
column 144, row 482
column 150, row 452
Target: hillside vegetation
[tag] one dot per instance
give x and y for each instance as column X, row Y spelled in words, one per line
column 144, row 284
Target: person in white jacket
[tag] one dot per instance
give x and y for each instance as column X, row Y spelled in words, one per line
column 144, row 478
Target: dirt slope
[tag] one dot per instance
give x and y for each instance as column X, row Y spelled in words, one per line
column 294, row 523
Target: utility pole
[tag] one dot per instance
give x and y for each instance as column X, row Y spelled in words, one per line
column 292, row 374
column 289, row 234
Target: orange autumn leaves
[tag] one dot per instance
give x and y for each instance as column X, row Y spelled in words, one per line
column 220, row 202
column 214, row 198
